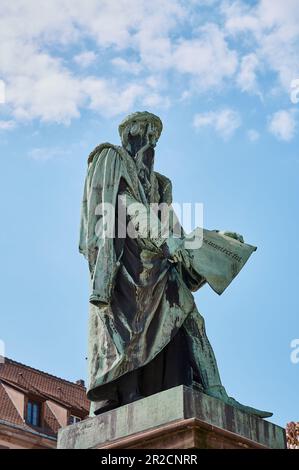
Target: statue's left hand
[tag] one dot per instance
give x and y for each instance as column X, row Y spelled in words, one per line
column 234, row 235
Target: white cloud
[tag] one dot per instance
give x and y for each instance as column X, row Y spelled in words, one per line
column 85, row 59
column 133, row 67
column 41, row 84
column 207, row 58
column 139, row 52
column 253, row 135
column 109, row 98
column 282, row 125
column 225, row 121
column 155, row 100
column 46, row 153
column 240, row 17
column 7, row 125
column 246, row 78
column 270, row 28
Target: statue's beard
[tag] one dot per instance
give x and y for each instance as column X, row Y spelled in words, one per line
column 145, row 162
column 136, row 143
column 142, row 150
column 143, row 153
column 145, row 158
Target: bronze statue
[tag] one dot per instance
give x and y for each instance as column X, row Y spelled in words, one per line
column 145, row 332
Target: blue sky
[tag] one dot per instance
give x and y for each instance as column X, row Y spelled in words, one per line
column 220, row 75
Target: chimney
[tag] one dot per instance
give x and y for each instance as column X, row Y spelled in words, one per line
column 80, row 382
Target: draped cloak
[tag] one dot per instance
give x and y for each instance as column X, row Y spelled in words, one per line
column 138, row 298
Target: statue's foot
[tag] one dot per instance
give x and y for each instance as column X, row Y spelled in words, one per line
column 248, row 409
column 103, row 406
column 220, row 393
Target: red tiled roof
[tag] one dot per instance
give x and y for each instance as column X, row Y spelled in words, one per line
column 50, row 422
column 37, row 382
column 44, row 386
column 10, row 415
column 8, row 412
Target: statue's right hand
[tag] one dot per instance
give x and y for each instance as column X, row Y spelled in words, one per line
column 234, row 235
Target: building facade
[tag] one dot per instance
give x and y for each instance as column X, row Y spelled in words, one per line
column 35, row 404
column 293, row 435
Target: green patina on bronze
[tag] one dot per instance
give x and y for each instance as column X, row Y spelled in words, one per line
column 136, row 308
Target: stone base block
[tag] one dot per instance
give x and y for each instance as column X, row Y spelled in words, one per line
column 179, row 418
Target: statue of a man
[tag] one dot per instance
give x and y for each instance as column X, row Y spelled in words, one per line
column 145, row 332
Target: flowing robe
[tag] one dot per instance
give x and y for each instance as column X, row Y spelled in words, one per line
column 139, row 299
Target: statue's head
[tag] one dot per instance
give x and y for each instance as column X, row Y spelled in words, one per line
column 139, row 129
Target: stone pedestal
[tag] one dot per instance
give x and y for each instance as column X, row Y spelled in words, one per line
column 179, row 418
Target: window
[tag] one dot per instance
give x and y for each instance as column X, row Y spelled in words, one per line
column 74, row 419
column 33, row 413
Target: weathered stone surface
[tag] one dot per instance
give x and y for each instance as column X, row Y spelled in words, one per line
column 177, row 418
